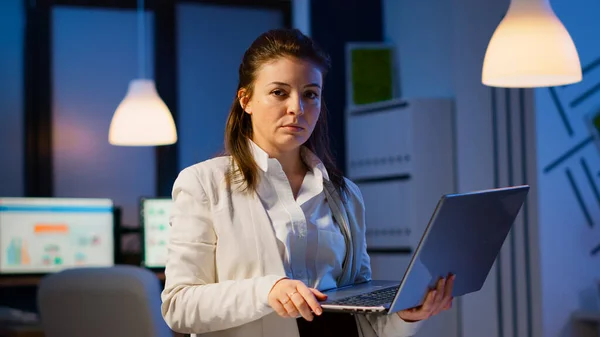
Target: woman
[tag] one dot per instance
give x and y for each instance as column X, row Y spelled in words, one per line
column 256, row 234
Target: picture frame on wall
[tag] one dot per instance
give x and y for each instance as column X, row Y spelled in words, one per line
column 371, row 73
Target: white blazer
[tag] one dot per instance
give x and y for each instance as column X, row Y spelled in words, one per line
column 223, row 259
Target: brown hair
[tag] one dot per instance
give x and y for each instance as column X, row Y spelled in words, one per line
column 266, row 48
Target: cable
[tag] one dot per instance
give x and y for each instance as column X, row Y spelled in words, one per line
column 141, row 40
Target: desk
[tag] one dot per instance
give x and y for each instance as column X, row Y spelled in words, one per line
column 35, row 331
column 586, row 324
column 29, row 281
column 21, row 331
column 19, row 281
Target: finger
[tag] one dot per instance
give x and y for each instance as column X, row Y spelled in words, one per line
column 432, row 302
column 448, row 292
column 301, row 304
column 274, row 298
column 428, row 304
column 279, row 309
column 309, row 297
column 289, row 305
column 423, row 311
column 319, row 295
column 443, row 302
column 449, row 305
column 291, row 309
column 441, row 286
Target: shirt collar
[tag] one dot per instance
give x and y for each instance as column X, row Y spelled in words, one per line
column 310, row 159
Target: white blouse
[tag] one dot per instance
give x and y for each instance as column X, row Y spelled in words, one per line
column 224, row 257
column 310, row 243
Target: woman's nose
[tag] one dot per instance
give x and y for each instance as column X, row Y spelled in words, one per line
column 296, row 106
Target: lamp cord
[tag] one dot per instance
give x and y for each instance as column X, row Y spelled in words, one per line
column 141, row 40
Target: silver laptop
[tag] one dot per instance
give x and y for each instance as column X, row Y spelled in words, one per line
column 463, row 237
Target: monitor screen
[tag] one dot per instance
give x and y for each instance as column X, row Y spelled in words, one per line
column 156, row 228
column 45, row 235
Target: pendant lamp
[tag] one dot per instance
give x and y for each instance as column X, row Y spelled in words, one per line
column 530, row 48
column 142, row 118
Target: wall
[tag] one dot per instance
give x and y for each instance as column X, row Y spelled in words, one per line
column 12, row 28
column 423, row 38
column 94, row 56
column 210, row 51
column 496, row 130
column 301, row 15
column 568, row 177
column 441, row 53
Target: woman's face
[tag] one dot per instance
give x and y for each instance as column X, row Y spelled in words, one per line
column 285, row 104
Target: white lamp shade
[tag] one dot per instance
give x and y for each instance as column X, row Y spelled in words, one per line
column 530, row 48
column 142, row 118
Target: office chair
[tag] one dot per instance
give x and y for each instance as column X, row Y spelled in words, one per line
column 120, row 301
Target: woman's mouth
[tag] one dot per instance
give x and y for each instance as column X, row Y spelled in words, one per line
column 293, row 128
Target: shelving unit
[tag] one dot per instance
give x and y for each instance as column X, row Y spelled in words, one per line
column 400, row 154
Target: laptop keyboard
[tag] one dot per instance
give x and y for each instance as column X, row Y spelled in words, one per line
column 372, row 299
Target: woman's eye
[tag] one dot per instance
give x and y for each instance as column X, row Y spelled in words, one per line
column 311, row 95
column 278, row 92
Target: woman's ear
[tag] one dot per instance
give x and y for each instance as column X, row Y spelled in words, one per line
column 244, row 100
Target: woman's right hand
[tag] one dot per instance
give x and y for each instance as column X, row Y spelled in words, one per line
column 291, row 298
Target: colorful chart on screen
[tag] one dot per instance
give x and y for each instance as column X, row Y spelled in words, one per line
column 44, row 235
column 155, row 223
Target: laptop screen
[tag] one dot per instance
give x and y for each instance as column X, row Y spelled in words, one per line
column 45, row 235
column 156, row 229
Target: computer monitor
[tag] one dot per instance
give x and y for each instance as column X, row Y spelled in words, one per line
column 155, row 213
column 46, row 235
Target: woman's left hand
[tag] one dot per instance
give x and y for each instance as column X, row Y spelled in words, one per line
column 436, row 301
